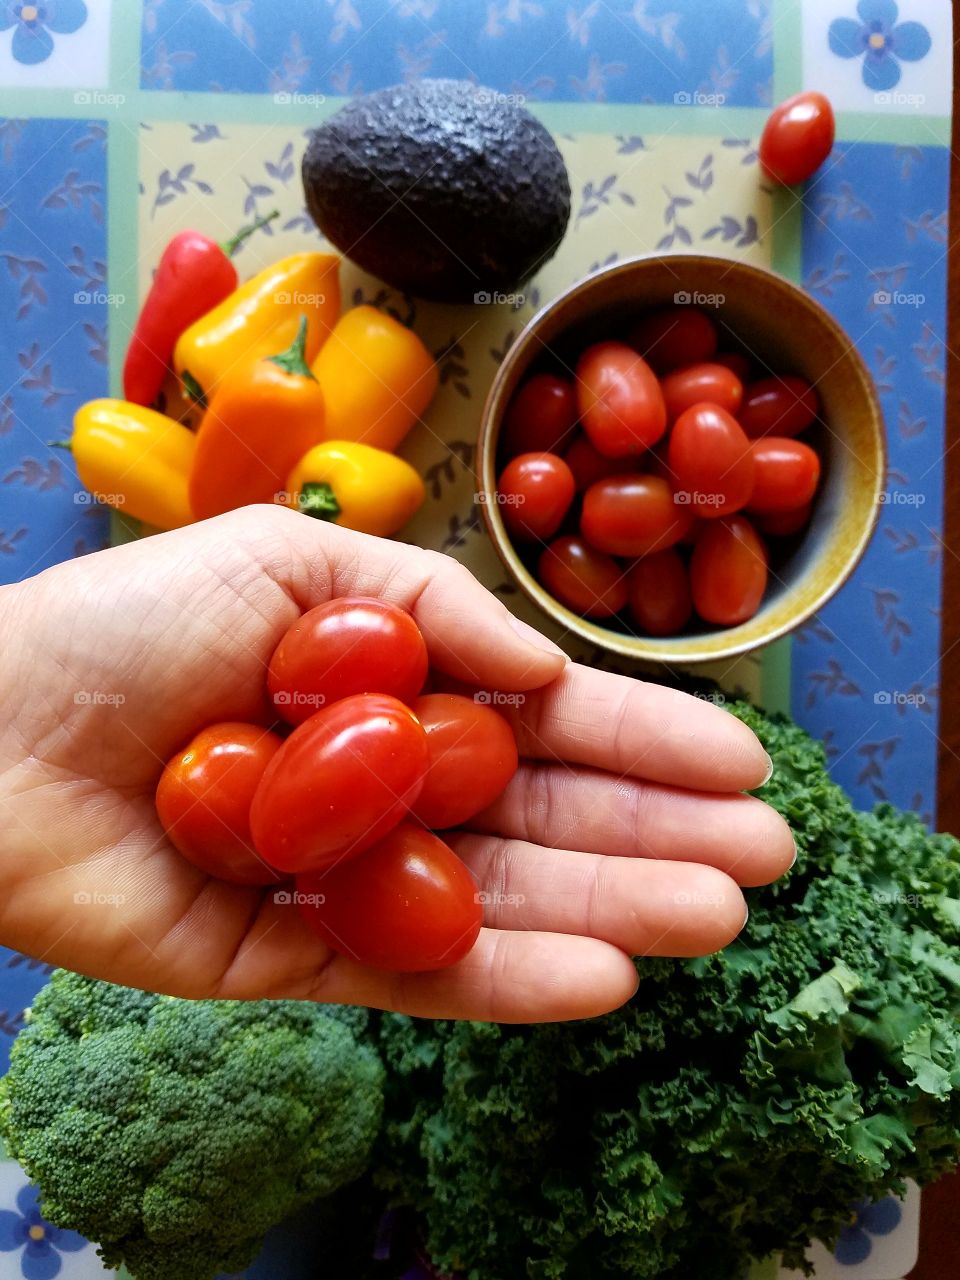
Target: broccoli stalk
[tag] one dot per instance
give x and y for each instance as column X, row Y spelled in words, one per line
column 175, row 1133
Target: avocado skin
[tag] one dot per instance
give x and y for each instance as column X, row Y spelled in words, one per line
column 439, row 187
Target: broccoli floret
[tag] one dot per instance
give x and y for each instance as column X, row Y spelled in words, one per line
column 174, row 1132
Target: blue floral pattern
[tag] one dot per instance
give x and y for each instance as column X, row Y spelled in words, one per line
column 32, row 41
column 869, row 1219
column 880, row 40
column 39, row 1242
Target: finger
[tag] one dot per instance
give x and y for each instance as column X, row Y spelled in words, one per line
column 575, row 808
column 640, row 730
column 644, row 908
column 470, row 634
column 507, row 977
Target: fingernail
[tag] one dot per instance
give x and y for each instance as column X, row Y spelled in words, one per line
column 794, row 858
column 533, row 636
column 746, row 916
column 769, row 774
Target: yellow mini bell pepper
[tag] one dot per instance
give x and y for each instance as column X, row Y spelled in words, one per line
column 356, row 486
column 261, row 318
column 376, row 376
column 134, row 459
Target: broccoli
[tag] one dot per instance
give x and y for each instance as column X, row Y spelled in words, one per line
column 175, row 1133
column 738, row 1105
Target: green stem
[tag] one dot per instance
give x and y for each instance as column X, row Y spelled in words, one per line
column 318, row 500
column 293, row 360
column 231, row 246
column 193, row 388
column 61, row 444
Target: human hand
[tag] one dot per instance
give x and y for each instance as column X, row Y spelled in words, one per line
column 623, row 833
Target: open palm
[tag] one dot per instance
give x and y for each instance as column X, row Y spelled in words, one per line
column 623, row 833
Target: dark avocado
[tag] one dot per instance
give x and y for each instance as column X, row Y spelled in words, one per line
column 441, row 188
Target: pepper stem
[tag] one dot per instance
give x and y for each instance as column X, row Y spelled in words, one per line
column 61, row 444
column 231, row 246
column 318, row 500
column 293, row 360
column 193, row 388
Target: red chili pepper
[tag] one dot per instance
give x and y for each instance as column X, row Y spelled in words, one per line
column 194, row 275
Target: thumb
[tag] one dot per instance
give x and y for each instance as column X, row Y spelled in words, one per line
column 470, row 634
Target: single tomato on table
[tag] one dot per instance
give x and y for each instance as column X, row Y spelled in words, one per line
column 355, row 644
column 658, row 593
column 728, row 571
column 785, row 475
column 535, row 491
column 472, row 755
column 204, row 798
column 797, row 138
column 339, row 783
column 674, row 336
column 633, row 515
column 619, row 400
column 710, row 459
column 582, row 578
column 408, row 904
column 541, row 416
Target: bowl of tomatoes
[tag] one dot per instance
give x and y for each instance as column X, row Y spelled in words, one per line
column 681, row 459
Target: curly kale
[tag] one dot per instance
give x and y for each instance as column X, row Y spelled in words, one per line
column 177, row 1132
column 737, row 1105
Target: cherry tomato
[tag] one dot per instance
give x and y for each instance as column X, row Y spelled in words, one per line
column 472, row 754
column 674, row 336
column 711, row 461
column 540, row 416
column 204, row 797
column 535, row 491
column 588, row 464
column 619, row 398
column 633, row 515
column 582, row 578
column 658, row 593
column 785, row 474
column 408, row 904
column 781, row 524
column 340, row 781
column 738, row 364
column 797, row 138
column 783, row 406
column 701, row 384
column 728, row 571
column 347, row 646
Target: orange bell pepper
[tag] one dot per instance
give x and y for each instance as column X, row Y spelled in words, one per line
column 260, row 423
column 377, row 378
